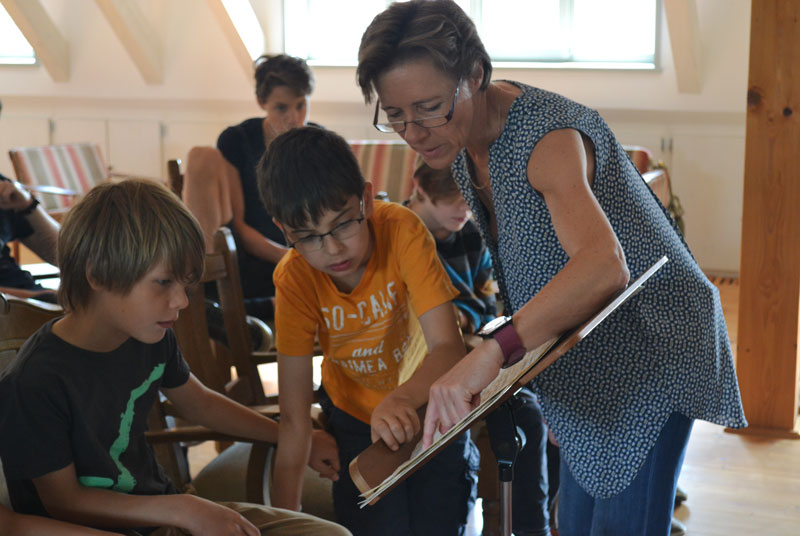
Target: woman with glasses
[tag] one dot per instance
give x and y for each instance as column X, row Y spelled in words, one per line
column 568, row 221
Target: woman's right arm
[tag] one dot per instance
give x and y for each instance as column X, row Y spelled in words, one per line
column 253, row 241
column 67, row 500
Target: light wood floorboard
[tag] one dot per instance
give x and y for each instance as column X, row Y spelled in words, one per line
column 739, row 484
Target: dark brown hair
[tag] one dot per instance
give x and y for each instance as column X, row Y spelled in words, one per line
column 436, row 30
column 282, row 70
column 307, row 171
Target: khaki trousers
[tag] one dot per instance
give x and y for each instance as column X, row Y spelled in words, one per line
column 274, row 522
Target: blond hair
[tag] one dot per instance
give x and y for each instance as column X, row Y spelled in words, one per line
column 118, row 232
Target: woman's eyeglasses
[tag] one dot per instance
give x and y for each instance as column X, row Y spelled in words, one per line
column 425, row 122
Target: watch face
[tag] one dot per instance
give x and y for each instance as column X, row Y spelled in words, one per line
column 491, row 326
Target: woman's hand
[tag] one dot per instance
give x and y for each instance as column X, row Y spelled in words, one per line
column 324, row 457
column 395, row 420
column 457, row 392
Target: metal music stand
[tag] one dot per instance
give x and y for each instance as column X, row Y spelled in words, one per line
column 506, row 449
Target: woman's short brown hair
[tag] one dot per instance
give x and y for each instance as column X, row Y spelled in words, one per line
column 437, row 30
column 118, row 232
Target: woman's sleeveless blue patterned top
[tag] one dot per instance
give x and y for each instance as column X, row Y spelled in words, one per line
column 665, row 350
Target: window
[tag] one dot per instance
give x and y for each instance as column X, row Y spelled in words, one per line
column 531, row 33
column 14, row 48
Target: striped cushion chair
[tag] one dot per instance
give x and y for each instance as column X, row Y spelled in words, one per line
column 388, row 165
column 59, row 172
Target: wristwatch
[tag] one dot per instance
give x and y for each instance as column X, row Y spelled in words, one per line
column 502, row 330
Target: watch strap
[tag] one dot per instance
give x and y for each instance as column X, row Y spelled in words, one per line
column 510, row 344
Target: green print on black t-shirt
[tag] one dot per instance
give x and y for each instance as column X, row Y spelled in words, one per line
column 125, row 482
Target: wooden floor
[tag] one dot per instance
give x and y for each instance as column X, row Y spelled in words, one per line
column 737, row 484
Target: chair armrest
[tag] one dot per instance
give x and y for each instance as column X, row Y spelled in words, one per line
column 261, row 358
column 41, row 270
column 53, row 190
column 189, row 434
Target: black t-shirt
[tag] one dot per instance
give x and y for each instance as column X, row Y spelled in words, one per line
column 243, row 145
column 13, row 227
column 60, row 404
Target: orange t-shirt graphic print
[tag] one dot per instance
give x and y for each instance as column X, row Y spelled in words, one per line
column 364, row 334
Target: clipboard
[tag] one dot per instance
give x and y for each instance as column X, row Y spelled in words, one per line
column 378, row 469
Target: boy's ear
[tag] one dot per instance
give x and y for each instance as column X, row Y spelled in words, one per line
column 417, row 189
column 91, row 280
column 368, row 199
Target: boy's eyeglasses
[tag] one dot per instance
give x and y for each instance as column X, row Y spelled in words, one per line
column 425, row 122
column 313, row 242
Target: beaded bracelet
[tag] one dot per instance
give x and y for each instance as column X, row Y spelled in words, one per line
column 30, row 208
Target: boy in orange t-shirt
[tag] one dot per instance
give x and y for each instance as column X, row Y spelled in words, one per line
column 358, row 276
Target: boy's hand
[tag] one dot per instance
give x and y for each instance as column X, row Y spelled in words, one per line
column 206, row 518
column 324, row 457
column 395, row 421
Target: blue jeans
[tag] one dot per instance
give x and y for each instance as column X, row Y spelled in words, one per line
column 435, row 500
column 529, row 490
column 644, row 507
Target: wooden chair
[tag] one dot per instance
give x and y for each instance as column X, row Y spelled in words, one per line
column 19, row 319
column 213, row 364
column 175, row 176
column 55, row 169
column 388, row 164
column 63, row 172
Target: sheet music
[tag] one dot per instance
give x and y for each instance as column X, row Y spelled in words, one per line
column 496, row 389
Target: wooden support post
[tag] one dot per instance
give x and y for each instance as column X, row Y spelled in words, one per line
column 769, row 303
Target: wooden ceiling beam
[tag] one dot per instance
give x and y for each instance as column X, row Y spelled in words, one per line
column 137, row 36
column 235, row 41
column 50, row 47
column 684, row 37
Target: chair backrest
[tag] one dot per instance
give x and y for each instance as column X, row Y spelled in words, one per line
column 175, row 176
column 210, row 362
column 72, row 166
column 19, row 319
column 388, row 164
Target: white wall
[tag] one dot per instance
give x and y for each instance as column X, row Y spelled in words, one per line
column 139, row 126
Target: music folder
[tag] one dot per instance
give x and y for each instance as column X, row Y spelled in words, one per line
column 378, row 469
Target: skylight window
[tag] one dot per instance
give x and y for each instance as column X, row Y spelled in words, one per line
column 619, row 34
column 14, row 48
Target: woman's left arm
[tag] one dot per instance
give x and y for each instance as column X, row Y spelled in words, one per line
column 561, row 168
